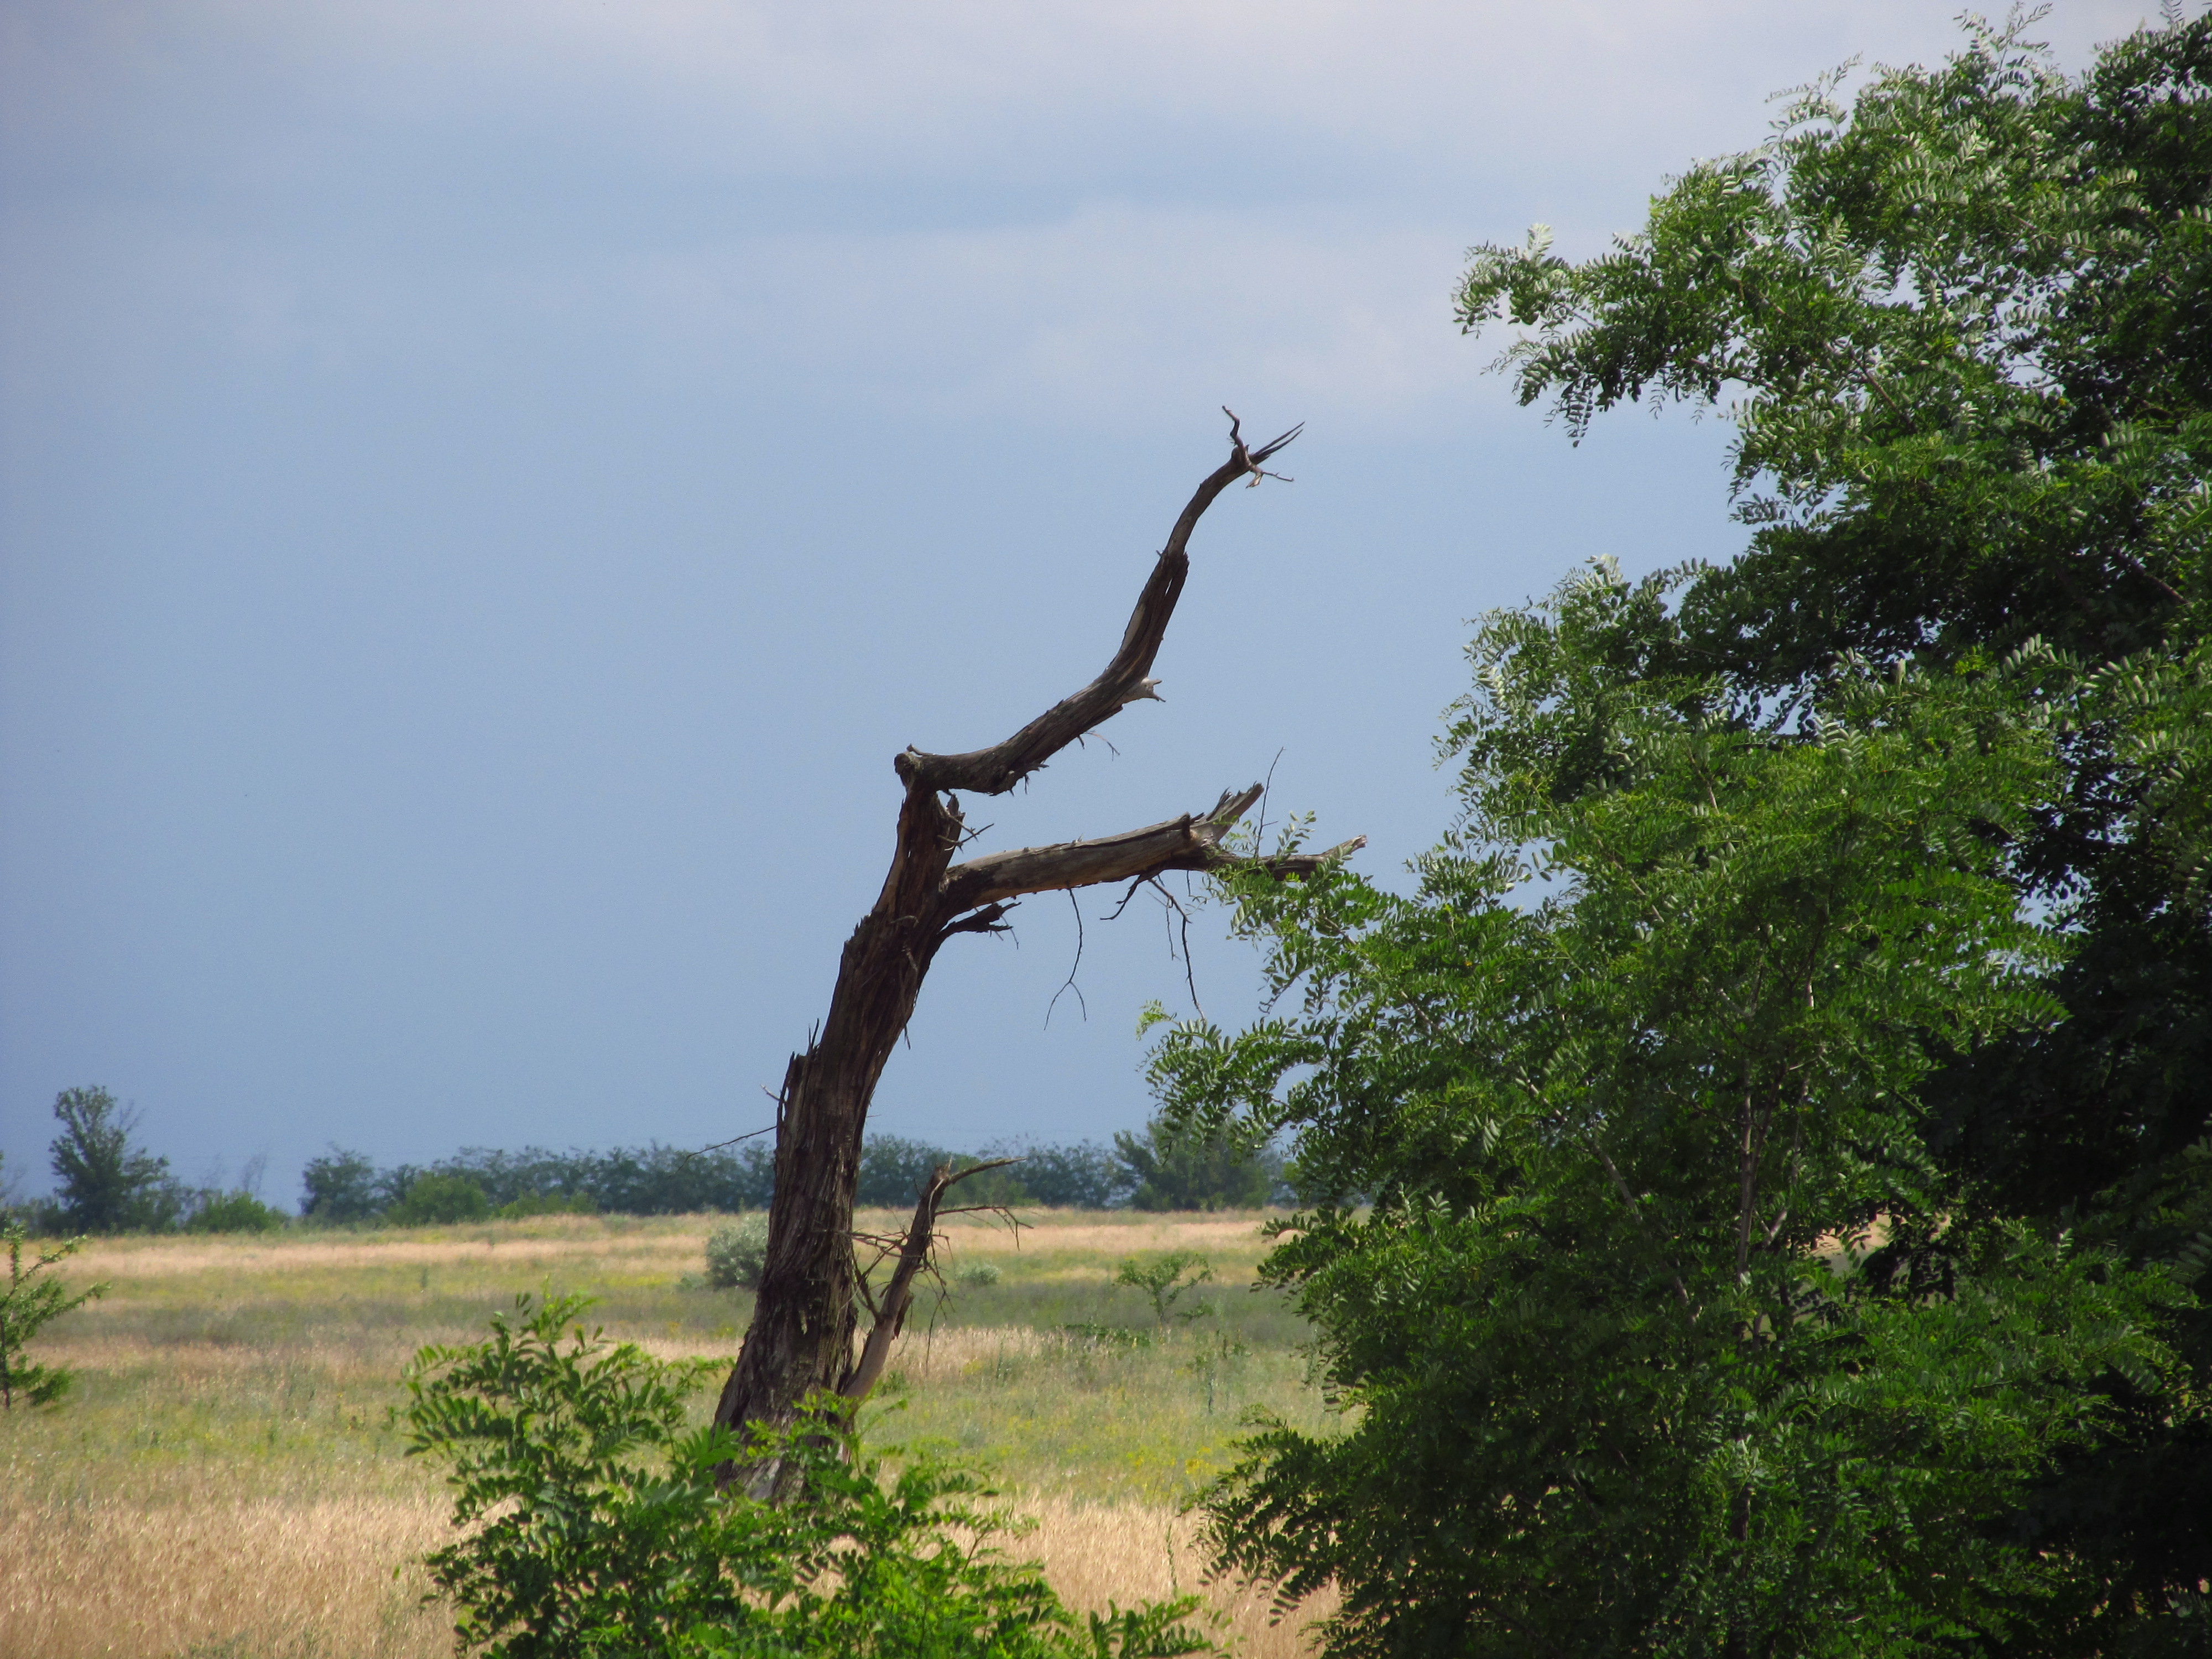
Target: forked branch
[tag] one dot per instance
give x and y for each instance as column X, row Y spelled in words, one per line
column 890, row 1310
column 1189, row 842
column 1126, row 679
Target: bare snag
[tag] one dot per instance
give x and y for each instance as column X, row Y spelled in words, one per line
column 801, row 1338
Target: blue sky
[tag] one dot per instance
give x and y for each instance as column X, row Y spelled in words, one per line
column 486, row 488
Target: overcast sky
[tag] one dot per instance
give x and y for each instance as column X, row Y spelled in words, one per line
column 486, row 488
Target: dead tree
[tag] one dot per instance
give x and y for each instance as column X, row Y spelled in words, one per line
column 804, row 1320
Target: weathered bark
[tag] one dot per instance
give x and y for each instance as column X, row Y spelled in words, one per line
column 804, row 1320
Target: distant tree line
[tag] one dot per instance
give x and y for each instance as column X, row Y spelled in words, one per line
column 107, row 1182
column 1153, row 1170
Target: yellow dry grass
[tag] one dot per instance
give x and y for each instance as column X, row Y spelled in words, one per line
column 226, row 1486
column 291, row 1580
column 272, row 1578
column 1129, row 1552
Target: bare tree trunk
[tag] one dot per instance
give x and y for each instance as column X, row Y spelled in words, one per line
column 802, row 1336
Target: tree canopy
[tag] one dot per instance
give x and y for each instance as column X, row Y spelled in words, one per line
column 107, row 1184
column 1784, row 1095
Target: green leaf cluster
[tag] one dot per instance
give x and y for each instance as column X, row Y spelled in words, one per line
column 1959, row 324
column 1787, row 1096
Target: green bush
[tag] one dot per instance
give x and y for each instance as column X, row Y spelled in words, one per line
column 32, row 1299
column 738, row 1254
column 439, row 1200
column 593, row 1525
column 1164, row 1282
column 235, row 1212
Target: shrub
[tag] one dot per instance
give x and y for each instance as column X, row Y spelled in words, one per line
column 340, row 1188
column 433, row 1200
column 736, row 1254
column 1163, row 1281
column 235, row 1212
column 28, row 1301
column 594, row 1527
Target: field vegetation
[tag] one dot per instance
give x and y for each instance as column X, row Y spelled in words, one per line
column 227, row 1479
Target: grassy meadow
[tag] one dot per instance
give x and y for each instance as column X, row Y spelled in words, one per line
column 225, row 1480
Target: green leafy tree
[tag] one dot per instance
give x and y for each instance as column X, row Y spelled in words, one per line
column 1666, row 1331
column 1959, row 323
column 1084, row 1176
column 340, row 1187
column 34, row 1299
column 434, row 1199
column 593, row 1524
column 1175, row 1171
column 108, row 1185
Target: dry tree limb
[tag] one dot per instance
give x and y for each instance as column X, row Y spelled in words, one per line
column 889, row 1314
column 1124, row 680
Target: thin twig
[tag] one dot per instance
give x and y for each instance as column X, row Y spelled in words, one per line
column 753, row 1135
column 1071, row 985
column 1260, row 829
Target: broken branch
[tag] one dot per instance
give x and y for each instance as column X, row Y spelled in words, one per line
column 913, row 1256
column 1126, row 679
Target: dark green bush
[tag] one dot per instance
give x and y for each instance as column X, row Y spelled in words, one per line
column 593, row 1526
column 434, row 1199
column 235, row 1212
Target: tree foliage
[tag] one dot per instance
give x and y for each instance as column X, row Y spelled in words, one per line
column 1666, row 1331
column 107, row 1184
column 1958, row 319
column 1174, row 1168
column 1961, row 321
column 1785, row 1095
column 343, row 1188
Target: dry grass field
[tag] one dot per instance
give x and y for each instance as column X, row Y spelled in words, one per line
column 226, row 1481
